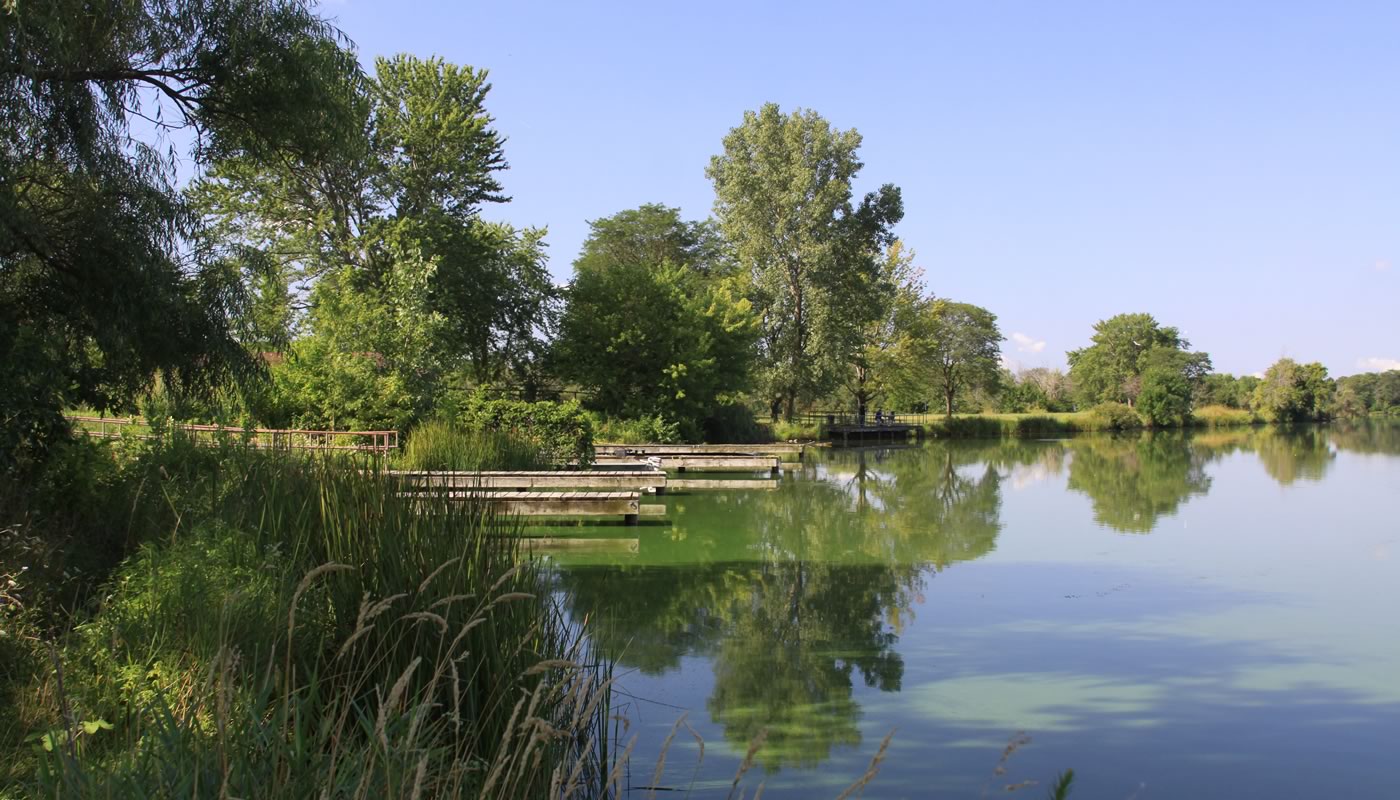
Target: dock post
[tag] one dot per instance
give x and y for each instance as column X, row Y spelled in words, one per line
column 630, row 519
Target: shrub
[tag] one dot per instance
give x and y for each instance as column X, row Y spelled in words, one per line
column 645, row 430
column 733, row 423
column 795, row 431
column 562, row 432
column 1114, row 417
column 1165, row 399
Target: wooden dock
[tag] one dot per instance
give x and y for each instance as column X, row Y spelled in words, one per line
column 703, row 484
column 889, row 431
column 533, row 543
column 628, row 505
column 649, row 479
column 683, row 463
column 775, row 449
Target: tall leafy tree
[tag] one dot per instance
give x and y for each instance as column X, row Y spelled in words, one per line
column 873, row 362
column 1293, row 392
column 949, row 348
column 104, row 279
column 651, row 234
column 653, row 338
column 783, row 198
column 397, row 205
column 1111, row 369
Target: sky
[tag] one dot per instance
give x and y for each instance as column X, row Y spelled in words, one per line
column 1231, row 168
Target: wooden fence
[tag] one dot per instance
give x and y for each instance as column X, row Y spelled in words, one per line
column 272, row 438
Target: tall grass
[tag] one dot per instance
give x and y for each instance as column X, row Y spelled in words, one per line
column 299, row 629
column 449, row 446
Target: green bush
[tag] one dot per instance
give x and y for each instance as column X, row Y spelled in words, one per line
column 1038, row 425
column 733, row 423
column 562, row 432
column 448, row 446
column 794, row 431
column 646, row 430
column 1114, row 417
column 1165, row 400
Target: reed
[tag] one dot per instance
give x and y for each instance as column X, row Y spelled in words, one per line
column 301, row 629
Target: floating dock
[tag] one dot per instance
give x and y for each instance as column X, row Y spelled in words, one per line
column 683, row 463
column 890, row 431
column 649, row 479
column 627, row 505
column 775, row 449
column 702, row 484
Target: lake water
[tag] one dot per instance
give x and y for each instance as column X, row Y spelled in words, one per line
column 1213, row 615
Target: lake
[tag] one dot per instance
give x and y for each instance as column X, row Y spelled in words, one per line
column 1206, row 615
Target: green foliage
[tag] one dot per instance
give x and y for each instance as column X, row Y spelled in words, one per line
column 298, row 624
column 653, row 338
column 106, row 280
column 783, row 198
column 641, row 430
column 1293, row 392
column 653, row 234
column 440, row 445
column 1369, row 393
column 1124, row 347
column 561, row 432
column 734, row 423
column 951, row 349
column 409, row 289
column 1165, row 400
column 1114, row 417
column 1225, row 390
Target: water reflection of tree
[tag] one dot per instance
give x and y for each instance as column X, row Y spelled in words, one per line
column 1288, row 453
column 1294, row 453
column 1134, row 481
column 1375, row 436
column 829, row 577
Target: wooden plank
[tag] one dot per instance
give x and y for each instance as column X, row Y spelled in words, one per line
column 703, row 484
column 572, row 479
column 569, row 504
column 579, row 544
column 733, row 463
column 786, row 448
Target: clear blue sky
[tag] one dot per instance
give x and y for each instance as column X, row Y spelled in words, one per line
column 1232, row 168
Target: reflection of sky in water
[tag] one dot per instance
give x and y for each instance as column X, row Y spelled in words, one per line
column 1245, row 644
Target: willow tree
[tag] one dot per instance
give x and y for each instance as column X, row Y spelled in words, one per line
column 783, row 198
column 103, row 279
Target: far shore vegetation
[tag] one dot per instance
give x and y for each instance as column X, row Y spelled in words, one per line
column 213, row 214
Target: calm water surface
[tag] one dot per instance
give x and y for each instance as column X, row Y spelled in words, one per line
column 1203, row 616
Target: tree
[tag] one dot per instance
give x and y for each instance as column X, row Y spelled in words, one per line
column 398, row 204
column 1293, row 392
column 651, row 234
column 104, row 281
column 953, row 347
column 1111, row 369
column 784, row 201
column 653, row 338
column 873, row 361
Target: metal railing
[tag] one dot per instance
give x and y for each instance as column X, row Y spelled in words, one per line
column 271, row 438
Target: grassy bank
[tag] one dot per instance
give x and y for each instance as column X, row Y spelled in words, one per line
column 1109, row 417
column 183, row 620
